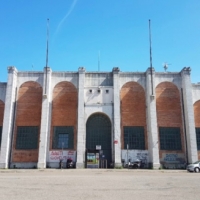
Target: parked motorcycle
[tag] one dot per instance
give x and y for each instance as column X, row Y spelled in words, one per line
column 136, row 164
column 70, row 163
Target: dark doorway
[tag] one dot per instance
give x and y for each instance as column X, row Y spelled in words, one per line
column 98, row 133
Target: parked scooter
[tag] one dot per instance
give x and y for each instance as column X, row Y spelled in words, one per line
column 136, row 164
column 70, row 163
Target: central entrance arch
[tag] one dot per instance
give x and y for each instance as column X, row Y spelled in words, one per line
column 98, row 132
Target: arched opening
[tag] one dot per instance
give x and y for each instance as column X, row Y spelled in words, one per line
column 27, row 125
column 63, row 135
column 197, row 124
column 1, row 119
column 98, row 141
column 170, row 126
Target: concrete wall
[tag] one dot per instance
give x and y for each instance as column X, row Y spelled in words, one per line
column 125, row 97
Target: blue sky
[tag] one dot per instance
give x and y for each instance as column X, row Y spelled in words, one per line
column 79, row 29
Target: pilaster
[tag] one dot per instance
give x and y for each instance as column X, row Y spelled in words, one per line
column 152, row 127
column 81, row 120
column 189, row 115
column 8, row 121
column 117, row 118
column 45, row 119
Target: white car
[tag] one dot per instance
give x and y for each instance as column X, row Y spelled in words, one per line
column 194, row 167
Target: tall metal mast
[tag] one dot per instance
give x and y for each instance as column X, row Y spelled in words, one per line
column 151, row 67
column 47, row 55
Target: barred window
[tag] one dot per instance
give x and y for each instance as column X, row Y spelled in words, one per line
column 134, row 137
column 198, row 138
column 170, row 138
column 0, row 134
column 63, row 137
column 27, row 137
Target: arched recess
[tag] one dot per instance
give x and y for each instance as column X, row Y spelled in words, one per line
column 133, row 116
column 64, row 117
column 197, row 124
column 98, row 132
column 169, row 120
column 27, row 123
column 1, row 119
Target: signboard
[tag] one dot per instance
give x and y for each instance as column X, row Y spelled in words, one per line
column 115, row 141
column 98, row 147
column 92, row 160
column 57, row 155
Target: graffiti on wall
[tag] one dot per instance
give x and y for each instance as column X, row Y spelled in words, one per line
column 135, row 155
column 56, row 156
column 173, row 160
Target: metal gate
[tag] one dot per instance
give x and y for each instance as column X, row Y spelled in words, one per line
column 98, row 132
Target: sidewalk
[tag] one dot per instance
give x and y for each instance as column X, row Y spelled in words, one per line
column 93, row 170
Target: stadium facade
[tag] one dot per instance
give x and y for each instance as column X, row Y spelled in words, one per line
column 99, row 119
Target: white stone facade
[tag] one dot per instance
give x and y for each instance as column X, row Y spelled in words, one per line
column 91, row 101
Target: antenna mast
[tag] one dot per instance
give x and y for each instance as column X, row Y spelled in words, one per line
column 151, row 67
column 47, row 54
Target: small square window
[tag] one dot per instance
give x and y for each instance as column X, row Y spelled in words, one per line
column 90, row 91
column 107, row 91
column 99, row 91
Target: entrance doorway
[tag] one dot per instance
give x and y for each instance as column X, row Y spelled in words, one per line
column 98, row 141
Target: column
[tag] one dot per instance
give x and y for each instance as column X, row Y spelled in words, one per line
column 117, row 118
column 45, row 119
column 152, row 127
column 81, row 120
column 8, row 121
column 189, row 115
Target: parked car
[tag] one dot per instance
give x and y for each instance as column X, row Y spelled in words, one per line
column 194, row 167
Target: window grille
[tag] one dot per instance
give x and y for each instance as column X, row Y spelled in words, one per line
column 198, row 138
column 63, row 137
column 134, row 137
column 27, row 137
column 170, row 138
column 0, row 134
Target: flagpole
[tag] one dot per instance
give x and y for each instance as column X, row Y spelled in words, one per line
column 47, row 54
column 151, row 67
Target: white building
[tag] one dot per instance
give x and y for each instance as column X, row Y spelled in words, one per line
column 107, row 116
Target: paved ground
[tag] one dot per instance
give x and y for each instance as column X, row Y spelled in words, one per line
column 92, row 184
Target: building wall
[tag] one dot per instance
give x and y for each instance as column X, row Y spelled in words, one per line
column 64, row 108
column 28, row 113
column 63, row 100
column 168, row 108
column 2, row 105
column 3, row 87
column 197, row 118
column 133, row 108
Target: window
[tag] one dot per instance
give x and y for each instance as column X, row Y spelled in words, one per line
column 0, row 134
column 63, row 137
column 90, row 91
column 27, row 137
column 170, row 138
column 134, row 137
column 198, row 138
column 107, row 91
